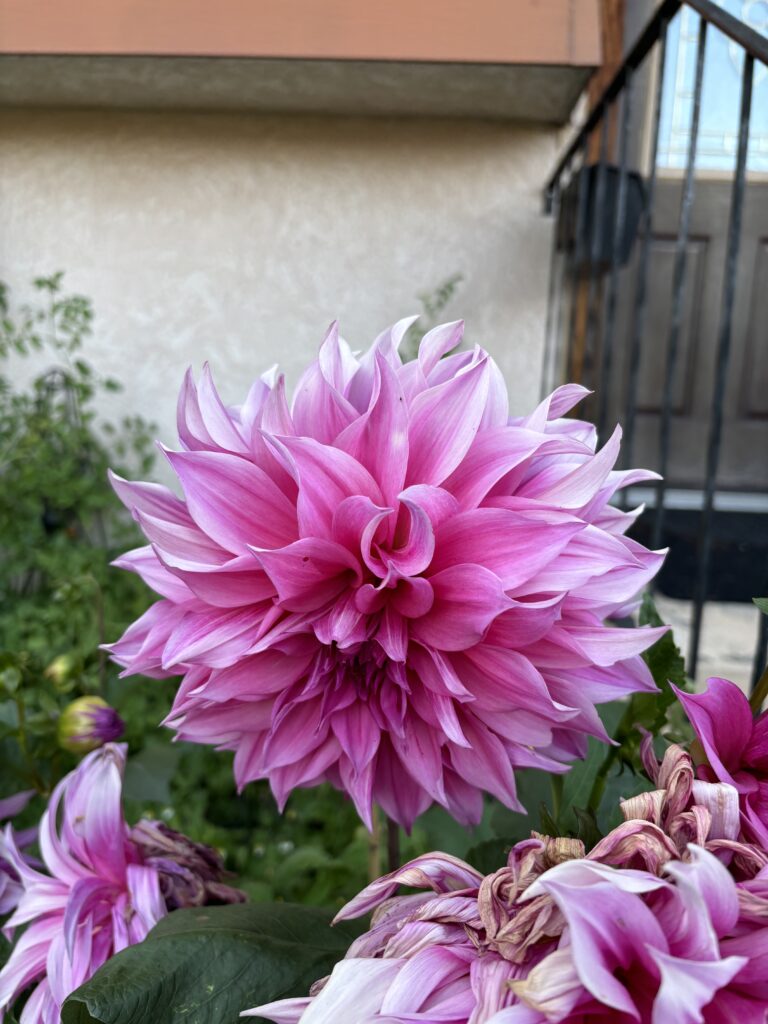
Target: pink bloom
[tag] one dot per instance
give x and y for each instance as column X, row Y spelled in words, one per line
column 389, row 584
column 736, row 746
column 548, row 938
column 101, row 894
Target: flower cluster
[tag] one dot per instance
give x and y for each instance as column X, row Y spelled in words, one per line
column 665, row 919
column 105, row 886
column 389, row 584
column 538, row 942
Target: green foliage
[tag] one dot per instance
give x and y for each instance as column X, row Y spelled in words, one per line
column 762, row 604
column 60, row 525
column 205, row 966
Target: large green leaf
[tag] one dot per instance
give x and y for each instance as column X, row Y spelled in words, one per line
column 204, row 966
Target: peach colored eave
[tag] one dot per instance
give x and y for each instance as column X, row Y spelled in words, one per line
column 557, row 32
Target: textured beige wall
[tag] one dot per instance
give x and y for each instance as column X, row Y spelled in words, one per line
column 237, row 238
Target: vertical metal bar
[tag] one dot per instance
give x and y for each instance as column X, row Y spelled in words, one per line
column 678, row 289
column 578, row 249
column 552, row 329
column 606, row 351
column 761, row 651
column 593, row 294
column 723, row 355
column 640, row 304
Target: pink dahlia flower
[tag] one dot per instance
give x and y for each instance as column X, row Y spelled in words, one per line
column 104, row 889
column 736, row 747
column 551, row 937
column 389, row 584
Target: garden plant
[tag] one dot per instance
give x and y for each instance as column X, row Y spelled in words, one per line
column 386, row 655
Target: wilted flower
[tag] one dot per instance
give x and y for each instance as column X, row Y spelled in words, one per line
column 87, row 723
column 390, row 584
column 100, row 893
column 190, row 872
column 536, row 942
column 10, row 888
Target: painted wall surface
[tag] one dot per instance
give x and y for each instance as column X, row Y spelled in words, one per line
column 237, row 238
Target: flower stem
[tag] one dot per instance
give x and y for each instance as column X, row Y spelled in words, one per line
column 393, row 844
column 598, row 786
column 557, row 782
column 759, row 693
column 374, row 846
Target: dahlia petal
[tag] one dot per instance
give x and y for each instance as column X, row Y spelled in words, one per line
column 319, row 409
column 440, row 872
column 494, row 453
column 415, row 554
column 379, row 438
column 392, row 635
column 485, row 764
column 233, row 501
column 576, row 488
column 467, row 600
column 326, row 476
column 623, row 932
column 413, row 597
column 524, row 623
column 722, row 720
column 687, row 986
column 12, row 805
column 282, row 1011
column 219, row 425
column 255, row 677
column 420, row 754
column 358, row 734
column 145, row 563
column 186, row 546
column 507, row 543
column 143, row 884
column 308, row 770
column 215, row 638
column 709, row 892
column 402, row 803
column 276, row 416
column 252, row 409
column 309, row 573
column 355, row 990
column 151, row 499
column 438, row 342
column 444, row 421
column 605, row 645
column 722, row 802
column 190, row 425
column 237, row 582
column 438, row 504
column 337, row 363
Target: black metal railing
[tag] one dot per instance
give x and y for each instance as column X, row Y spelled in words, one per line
column 602, row 211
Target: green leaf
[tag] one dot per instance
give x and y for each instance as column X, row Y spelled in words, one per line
column 667, row 666
column 148, row 775
column 490, row 855
column 762, row 604
column 205, row 966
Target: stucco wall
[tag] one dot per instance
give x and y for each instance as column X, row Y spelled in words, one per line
column 237, row 238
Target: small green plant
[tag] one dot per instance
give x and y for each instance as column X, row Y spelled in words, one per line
column 59, row 525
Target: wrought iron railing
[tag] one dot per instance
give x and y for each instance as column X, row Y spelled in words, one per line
column 603, row 210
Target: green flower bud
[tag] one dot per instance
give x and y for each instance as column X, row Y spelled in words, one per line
column 87, row 723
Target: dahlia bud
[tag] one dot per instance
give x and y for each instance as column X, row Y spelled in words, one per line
column 190, row 873
column 60, row 669
column 87, row 723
